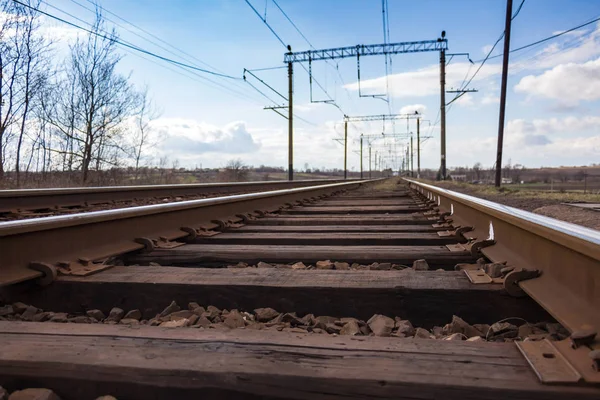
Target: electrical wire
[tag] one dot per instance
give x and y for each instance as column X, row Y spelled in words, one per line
column 549, row 38
column 125, row 44
column 264, row 20
column 293, row 24
column 267, row 69
column 267, row 24
column 487, row 57
column 204, row 79
column 187, row 57
column 331, row 99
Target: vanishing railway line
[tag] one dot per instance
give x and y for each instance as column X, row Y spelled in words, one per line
column 372, row 289
column 32, row 203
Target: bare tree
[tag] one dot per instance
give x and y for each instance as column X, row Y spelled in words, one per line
column 235, row 171
column 92, row 103
column 34, row 67
column 142, row 139
column 10, row 61
column 477, row 169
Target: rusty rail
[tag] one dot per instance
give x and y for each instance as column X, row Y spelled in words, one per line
column 30, row 248
column 561, row 260
column 30, row 199
column 556, row 263
column 567, row 256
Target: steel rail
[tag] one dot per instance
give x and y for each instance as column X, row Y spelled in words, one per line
column 567, row 255
column 28, row 199
column 98, row 235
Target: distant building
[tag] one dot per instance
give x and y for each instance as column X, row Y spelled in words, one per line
column 507, row 180
column 461, row 178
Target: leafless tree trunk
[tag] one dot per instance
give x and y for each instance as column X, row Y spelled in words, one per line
column 92, row 103
column 10, row 61
column 236, row 171
column 142, row 139
column 34, row 49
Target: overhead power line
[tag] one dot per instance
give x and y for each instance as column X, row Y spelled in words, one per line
column 293, row 24
column 177, row 53
column 127, row 45
column 193, row 75
column 267, row 24
column 549, row 37
column 264, row 20
column 313, row 47
column 487, row 57
column 186, row 56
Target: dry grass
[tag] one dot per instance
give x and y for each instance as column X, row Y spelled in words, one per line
column 545, row 203
column 387, row 184
column 517, row 192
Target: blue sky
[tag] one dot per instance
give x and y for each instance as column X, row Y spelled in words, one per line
column 553, row 97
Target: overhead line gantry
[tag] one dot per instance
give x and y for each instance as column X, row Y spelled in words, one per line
column 440, row 45
column 370, row 118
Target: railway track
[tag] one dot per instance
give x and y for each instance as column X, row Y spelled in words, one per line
column 34, row 203
column 380, row 289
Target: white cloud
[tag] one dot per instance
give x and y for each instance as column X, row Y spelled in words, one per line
column 574, row 47
column 533, row 143
column 567, row 125
column 410, row 109
column 568, row 83
column 59, row 33
column 553, row 138
column 426, row 81
column 466, row 100
column 186, row 138
column 490, row 99
column 486, row 49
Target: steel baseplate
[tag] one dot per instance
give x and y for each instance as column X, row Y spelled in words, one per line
column 550, row 366
column 81, row 267
column 478, row 276
column 558, row 362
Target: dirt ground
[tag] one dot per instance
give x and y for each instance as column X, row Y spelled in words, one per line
column 543, row 203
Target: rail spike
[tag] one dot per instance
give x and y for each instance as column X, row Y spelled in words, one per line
column 48, row 270
column 512, row 279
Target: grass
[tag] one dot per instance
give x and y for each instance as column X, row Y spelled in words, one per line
column 518, row 191
column 387, row 184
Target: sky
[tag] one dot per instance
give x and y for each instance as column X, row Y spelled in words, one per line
column 553, row 95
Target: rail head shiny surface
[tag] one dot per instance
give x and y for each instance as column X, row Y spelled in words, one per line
column 565, row 256
column 146, row 188
column 100, row 235
column 45, row 223
column 566, row 228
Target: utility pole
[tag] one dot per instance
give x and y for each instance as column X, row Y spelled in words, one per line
column 345, row 149
column 361, row 156
column 290, row 119
column 407, row 159
column 418, row 147
column 503, row 92
column 412, row 169
column 370, row 169
column 443, row 110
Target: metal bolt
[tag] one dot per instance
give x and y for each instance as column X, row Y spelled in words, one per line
column 582, row 337
column 84, row 261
